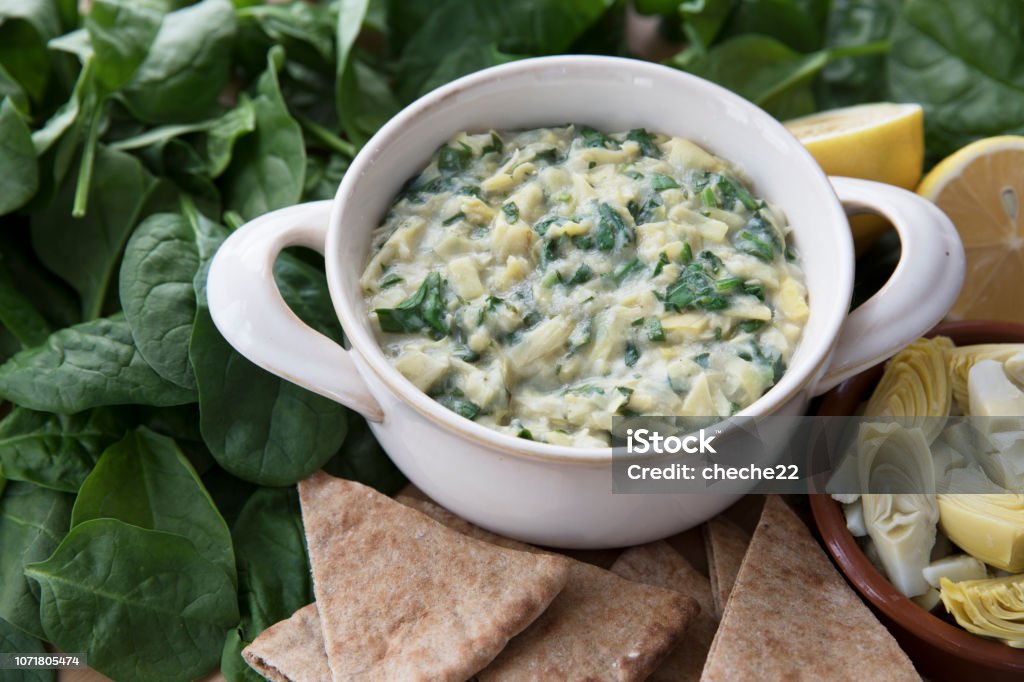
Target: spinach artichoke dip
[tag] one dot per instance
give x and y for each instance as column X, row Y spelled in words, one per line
column 540, row 282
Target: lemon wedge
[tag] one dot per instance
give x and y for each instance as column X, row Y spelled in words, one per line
column 981, row 189
column 882, row 142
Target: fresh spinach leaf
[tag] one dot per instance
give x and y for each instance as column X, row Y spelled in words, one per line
column 269, row 165
column 214, row 138
column 273, row 571
column 963, row 62
column 259, row 427
column 304, row 288
column 14, row 640
column 55, row 451
column 703, row 20
column 19, row 177
column 855, row 80
column 229, row 493
column 362, row 459
column 187, row 65
column 83, row 99
column 323, row 176
column 366, row 98
column 798, row 24
column 49, row 296
column 769, row 73
column 351, row 14
column 12, row 90
column 91, row 364
column 145, row 480
column 157, row 294
column 18, row 315
column 25, row 26
column 458, row 36
column 32, row 523
column 305, row 30
column 223, row 132
column 120, row 33
column 181, row 423
column 107, row 573
column 273, row 568
column 117, row 197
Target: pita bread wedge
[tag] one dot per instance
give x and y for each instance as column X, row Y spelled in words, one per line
column 660, row 565
column 601, row 627
column 726, row 544
column 792, row 615
column 457, row 523
column 401, row 597
column 292, row 650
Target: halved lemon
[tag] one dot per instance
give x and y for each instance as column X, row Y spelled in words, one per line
column 981, row 188
column 882, row 142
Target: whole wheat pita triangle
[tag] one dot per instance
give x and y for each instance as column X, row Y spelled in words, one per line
column 726, row 544
column 291, row 650
column 660, row 565
column 601, row 627
column 401, row 596
column 792, row 616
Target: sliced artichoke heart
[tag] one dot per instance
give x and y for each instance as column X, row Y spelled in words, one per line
column 962, row 359
column 991, row 608
column 988, row 526
column 957, row 567
column 916, row 385
column 993, row 400
column 901, row 524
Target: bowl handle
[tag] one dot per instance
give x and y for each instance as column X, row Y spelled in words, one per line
column 249, row 311
column 920, row 292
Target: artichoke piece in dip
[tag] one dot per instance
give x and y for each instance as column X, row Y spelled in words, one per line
column 540, row 282
column 991, row 608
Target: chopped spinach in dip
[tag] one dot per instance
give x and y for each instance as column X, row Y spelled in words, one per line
column 540, row 282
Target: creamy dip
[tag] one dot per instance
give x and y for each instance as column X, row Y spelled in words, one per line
column 541, row 281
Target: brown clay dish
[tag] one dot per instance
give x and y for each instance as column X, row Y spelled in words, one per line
column 939, row 648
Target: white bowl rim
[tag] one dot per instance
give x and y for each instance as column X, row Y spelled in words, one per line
column 814, row 353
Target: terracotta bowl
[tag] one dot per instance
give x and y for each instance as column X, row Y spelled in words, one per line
column 940, row 649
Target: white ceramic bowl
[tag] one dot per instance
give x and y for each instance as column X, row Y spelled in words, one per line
column 537, row 492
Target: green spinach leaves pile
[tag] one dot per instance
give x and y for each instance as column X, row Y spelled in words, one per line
column 963, row 61
column 148, row 515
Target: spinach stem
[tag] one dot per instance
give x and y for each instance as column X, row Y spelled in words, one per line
column 325, row 136
column 865, row 50
column 84, row 181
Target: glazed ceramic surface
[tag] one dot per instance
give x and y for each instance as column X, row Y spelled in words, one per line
column 533, row 491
